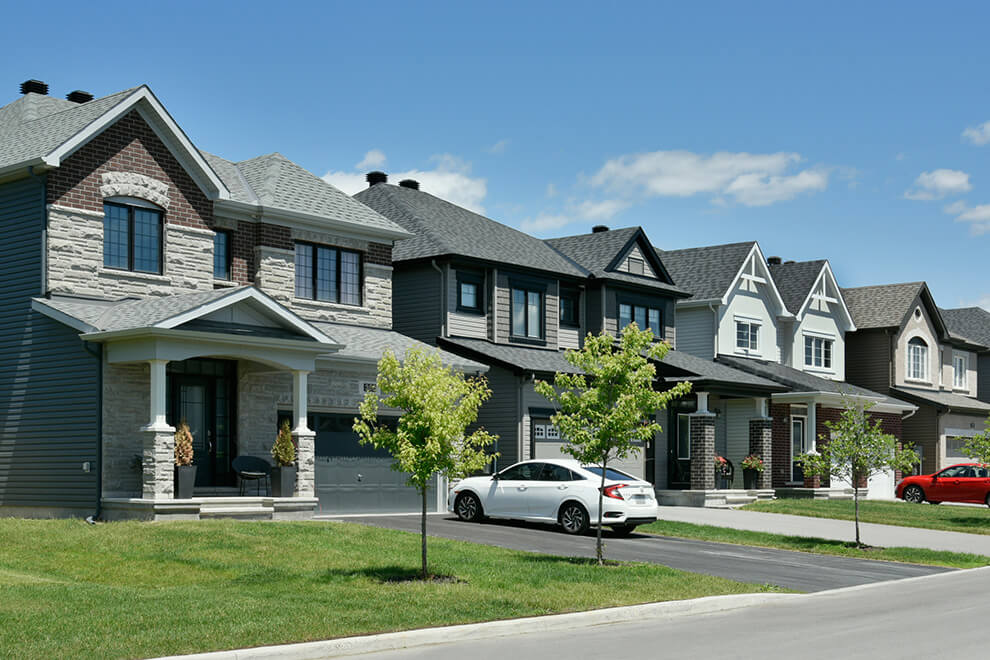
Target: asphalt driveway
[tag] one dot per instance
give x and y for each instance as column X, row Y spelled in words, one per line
column 799, row 571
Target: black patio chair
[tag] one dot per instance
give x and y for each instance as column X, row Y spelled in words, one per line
column 253, row 468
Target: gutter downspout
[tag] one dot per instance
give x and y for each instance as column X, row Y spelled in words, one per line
column 711, row 306
column 99, row 431
column 443, row 298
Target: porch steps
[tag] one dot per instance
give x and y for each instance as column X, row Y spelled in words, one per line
column 239, row 508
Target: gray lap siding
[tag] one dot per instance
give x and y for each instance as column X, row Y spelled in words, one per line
column 48, row 381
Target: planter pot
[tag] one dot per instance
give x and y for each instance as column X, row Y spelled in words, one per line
column 185, row 479
column 750, row 478
column 284, row 481
column 721, row 482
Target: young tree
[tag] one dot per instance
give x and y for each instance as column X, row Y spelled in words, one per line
column 612, row 405
column 438, row 404
column 857, row 450
column 978, row 447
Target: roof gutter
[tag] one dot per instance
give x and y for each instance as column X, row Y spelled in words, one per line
column 312, row 220
column 443, row 298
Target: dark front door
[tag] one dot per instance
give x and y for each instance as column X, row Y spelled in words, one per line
column 201, row 392
column 193, row 402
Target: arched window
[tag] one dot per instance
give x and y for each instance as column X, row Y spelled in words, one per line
column 917, row 359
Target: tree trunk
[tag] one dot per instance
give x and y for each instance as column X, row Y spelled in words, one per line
column 856, row 505
column 423, row 529
column 599, row 550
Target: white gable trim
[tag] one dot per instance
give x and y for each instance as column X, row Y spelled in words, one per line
column 42, row 308
column 154, row 113
column 243, row 294
column 826, row 272
column 756, row 261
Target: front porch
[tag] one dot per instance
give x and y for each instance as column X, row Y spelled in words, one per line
column 203, row 508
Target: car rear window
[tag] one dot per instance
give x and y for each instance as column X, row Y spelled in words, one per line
column 610, row 473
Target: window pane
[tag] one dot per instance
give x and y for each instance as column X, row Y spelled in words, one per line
column 519, row 312
column 533, row 314
column 221, row 269
column 827, row 348
column 326, row 274
column 818, row 352
column 147, row 240
column 742, row 335
column 808, row 343
column 625, row 316
column 655, row 322
column 754, row 336
column 115, row 238
column 350, row 278
column 304, row 270
column 640, row 317
column 469, row 295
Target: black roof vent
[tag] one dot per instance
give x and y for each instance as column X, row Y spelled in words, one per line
column 597, row 229
column 790, row 261
column 33, row 86
column 774, row 261
column 79, row 96
column 409, row 183
column 376, row 177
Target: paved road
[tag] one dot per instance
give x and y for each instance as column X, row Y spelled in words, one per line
column 800, row 571
column 888, row 536
column 904, row 619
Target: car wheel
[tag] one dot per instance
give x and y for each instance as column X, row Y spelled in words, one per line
column 914, row 494
column 573, row 518
column 468, row 507
column 623, row 530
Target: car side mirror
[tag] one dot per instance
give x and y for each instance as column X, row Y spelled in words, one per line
column 934, row 478
column 495, row 477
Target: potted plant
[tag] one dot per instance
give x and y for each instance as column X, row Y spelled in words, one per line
column 185, row 471
column 723, row 472
column 284, row 472
column 752, row 466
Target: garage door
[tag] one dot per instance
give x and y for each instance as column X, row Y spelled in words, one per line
column 546, row 443
column 356, row 478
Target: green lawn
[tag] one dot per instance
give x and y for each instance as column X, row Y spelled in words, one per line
column 970, row 519
column 70, row 590
column 820, row 546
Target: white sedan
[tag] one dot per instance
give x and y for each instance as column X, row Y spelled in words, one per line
column 558, row 491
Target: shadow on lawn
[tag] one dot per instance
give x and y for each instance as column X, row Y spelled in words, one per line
column 386, row 575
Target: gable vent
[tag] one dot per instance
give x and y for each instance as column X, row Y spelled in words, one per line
column 409, row 183
column 376, row 177
column 34, row 87
column 79, row 96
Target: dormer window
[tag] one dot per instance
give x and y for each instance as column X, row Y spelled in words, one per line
column 917, row 359
column 747, row 335
column 132, row 237
column 818, row 352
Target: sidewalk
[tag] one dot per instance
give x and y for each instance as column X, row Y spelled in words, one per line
column 888, row 536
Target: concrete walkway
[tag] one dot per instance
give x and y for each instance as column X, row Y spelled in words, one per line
column 888, row 536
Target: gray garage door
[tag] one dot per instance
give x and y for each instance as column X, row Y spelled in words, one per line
column 356, row 478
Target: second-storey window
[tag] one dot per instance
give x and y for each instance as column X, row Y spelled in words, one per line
column 645, row 317
column 221, row 255
column 748, row 335
column 569, row 308
column 959, row 372
column 469, row 293
column 917, row 359
column 328, row 274
column 527, row 313
column 132, row 238
column 818, row 352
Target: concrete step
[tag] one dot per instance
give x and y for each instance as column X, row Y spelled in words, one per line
column 238, row 512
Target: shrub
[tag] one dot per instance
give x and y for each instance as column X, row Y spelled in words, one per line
column 183, row 444
column 284, row 450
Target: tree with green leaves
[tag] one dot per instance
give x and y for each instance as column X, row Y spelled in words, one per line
column 857, row 450
column 610, row 407
column 431, row 437
column 978, row 446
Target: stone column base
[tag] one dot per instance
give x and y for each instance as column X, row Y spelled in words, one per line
column 305, row 463
column 158, row 463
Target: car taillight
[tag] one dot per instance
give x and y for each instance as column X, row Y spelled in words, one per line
column 613, row 491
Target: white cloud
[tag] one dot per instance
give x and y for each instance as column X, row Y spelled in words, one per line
column 544, row 222
column 372, row 159
column 978, row 135
column 977, row 216
column 937, row 184
column 450, row 179
column 601, row 210
column 499, row 147
column 750, row 179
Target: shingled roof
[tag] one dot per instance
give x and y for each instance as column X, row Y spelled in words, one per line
column 971, row 323
column 442, row 228
column 597, row 252
column 794, row 281
column 706, row 272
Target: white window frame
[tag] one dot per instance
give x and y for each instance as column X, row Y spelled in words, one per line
column 750, row 325
column 924, row 360
column 960, row 378
column 804, row 442
column 823, row 340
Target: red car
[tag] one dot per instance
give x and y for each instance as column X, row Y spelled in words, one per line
column 966, row 482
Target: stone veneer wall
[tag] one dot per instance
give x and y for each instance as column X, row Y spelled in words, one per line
column 126, row 404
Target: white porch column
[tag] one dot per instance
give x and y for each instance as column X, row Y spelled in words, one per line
column 761, row 406
column 812, row 425
column 304, row 438
column 158, row 443
column 702, row 402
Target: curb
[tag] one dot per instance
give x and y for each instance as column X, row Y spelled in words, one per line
column 474, row 631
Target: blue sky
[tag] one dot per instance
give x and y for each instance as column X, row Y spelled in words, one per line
column 849, row 131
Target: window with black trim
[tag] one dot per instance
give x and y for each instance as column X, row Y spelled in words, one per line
column 470, row 293
column 645, row 317
column 527, row 313
column 328, row 274
column 221, row 255
column 570, row 309
column 132, row 238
